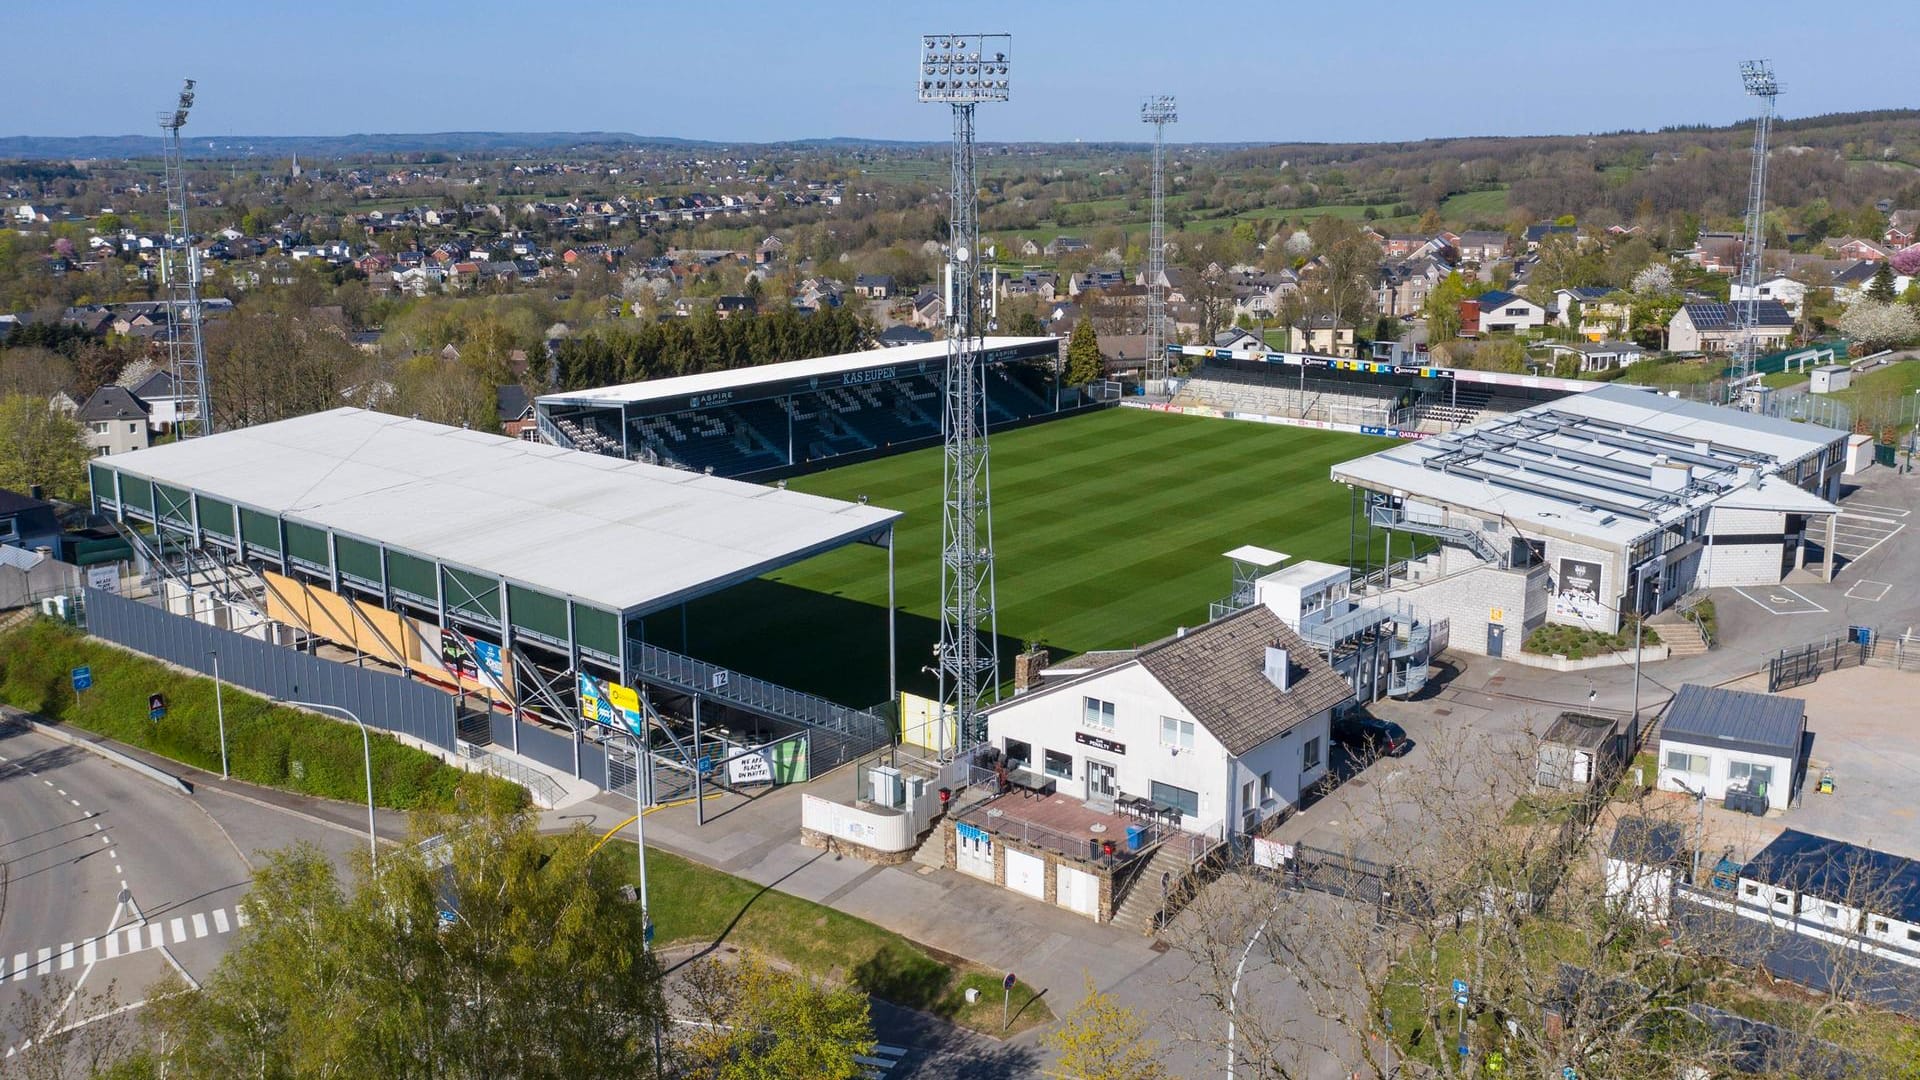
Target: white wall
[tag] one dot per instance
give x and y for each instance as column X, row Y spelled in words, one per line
column 1282, row 759
column 1644, row 890
column 1742, row 564
column 1049, row 721
column 1719, row 772
column 882, row 830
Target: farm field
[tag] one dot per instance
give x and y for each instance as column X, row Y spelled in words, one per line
column 1108, row 532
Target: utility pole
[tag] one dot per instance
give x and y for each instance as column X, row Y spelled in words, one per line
column 180, row 275
column 1757, row 77
column 962, row 70
column 1159, row 111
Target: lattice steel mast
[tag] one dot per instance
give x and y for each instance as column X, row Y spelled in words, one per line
column 1159, row 111
column 180, row 276
column 963, row 70
column 1757, row 77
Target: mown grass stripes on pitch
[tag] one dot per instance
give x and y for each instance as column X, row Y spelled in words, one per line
column 1108, row 530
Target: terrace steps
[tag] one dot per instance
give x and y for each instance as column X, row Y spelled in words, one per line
column 1143, row 896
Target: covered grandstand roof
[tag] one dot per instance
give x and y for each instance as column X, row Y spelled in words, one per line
column 1607, row 464
column 620, row 535
column 712, row 382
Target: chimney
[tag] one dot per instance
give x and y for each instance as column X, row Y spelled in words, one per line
column 1279, row 670
column 1670, row 475
column 1027, row 667
column 35, row 491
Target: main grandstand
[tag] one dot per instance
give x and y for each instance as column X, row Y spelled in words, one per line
column 776, row 418
column 1373, row 397
column 513, row 572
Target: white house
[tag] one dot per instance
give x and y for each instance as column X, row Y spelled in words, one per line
column 1831, row 889
column 1226, row 724
column 1716, row 740
column 1509, row 312
column 1644, row 861
column 1791, row 293
column 115, row 421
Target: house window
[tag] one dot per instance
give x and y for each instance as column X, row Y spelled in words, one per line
column 1782, row 898
column 1913, row 934
column 1310, row 754
column 1058, row 764
column 1879, row 926
column 1168, row 797
column 1752, row 889
column 1018, row 753
column 1832, row 911
column 1246, row 796
column 1176, row 733
column 1681, row 761
column 1097, row 714
column 1266, row 787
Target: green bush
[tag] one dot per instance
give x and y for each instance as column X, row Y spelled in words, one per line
column 1578, row 642
column 267, row 744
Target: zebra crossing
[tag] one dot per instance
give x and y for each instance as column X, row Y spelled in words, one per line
column 124, row 941
column 879, row 1065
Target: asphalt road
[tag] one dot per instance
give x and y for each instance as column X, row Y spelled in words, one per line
column 106, row 878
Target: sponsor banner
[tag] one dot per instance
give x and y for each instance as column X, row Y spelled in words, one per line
column 754, row 768
column 610, row 705
column 1288, row 421
column 105, row 577
column 1270, row 854
column 1578, row 594
column 488, row 655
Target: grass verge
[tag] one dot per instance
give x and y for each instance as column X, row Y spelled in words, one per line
column 267, row 744
column 692, row 903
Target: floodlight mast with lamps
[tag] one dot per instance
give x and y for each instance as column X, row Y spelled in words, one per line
column 1159, row 111
column 180, row 274
column 962, row 70
column 1756, row 76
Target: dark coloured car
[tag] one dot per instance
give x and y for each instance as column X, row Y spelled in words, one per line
column 1370, row 735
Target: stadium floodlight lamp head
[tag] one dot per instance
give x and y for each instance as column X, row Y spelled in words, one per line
column 1159, row 109
column 964, row 68
column 177, row 119
column 1757, row 77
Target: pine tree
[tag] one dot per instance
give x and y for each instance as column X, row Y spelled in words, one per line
column 1880, row 289
column 1084, row 364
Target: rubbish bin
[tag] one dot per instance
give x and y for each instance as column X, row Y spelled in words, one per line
column 1136, row 836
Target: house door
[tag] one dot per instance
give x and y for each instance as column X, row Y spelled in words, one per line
column 1100, row 785
column 1496, row 640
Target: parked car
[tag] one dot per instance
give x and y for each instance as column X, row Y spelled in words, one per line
column 1370, row 735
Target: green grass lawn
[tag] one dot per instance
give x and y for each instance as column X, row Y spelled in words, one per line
column 1108, row 530
column 692, row 903
column 1488, row 206
column 1891, row 381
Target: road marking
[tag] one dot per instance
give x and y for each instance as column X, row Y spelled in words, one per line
column 179, row 928
column 199, row 925
column 1894, row 510
column 113, row 853
column 66, row 956
column 106, row 839
column 90, row 951
column 113, row 943
column 220, row 920
column 1879, row 589
column 240, row 917
column 62, row 791
column 49, row 783
column 96, row 826
column 117, row 870
column 45, row 966
column 75, row 802
column 134, row 944
column 156, row 937
column 877, row 1067
column 19, row 966
column 1774, row 602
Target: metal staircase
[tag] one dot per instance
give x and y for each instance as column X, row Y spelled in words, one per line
column 1387, row 514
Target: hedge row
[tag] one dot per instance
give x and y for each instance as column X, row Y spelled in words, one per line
column 266, row 744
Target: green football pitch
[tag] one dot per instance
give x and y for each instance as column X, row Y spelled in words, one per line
column 1108, row 532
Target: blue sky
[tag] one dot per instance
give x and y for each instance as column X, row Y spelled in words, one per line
column 1274, row 70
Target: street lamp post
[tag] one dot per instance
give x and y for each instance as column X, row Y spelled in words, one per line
column 366, row 745
column 1233, row 993
column 220, row 711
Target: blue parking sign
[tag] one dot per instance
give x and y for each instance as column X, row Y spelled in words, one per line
column 82, row 678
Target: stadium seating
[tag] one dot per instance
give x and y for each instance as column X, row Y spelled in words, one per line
column 585, row 433
column 1281, row 394
column 1445, row 410
column 730, row 440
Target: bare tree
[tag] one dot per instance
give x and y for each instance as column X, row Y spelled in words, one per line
column 65, row 1033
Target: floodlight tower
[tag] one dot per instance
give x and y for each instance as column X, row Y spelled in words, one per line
column 1159, row 111
column 963, row 70
column 180, row 274
column 1757, row 77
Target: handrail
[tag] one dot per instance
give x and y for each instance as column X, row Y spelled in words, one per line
column 697, row 676
column 535, row 781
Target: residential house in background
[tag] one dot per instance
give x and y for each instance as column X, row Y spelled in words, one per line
column 873, row 286
column 115, row 421
column 1066, row 245
column 1789, row 292
column 1903, row 229
column 1402, row 286
column 166, row 406
column 1600, row 316
column 1500, row 311
column 1602, row 355
column 929, row 309
column 514, row 409
column 1710, row 326
column 28, row 521
column 1718, row 253
column 1325, row 334
column 1853, row 247
column 1538, row 233
column 1483, row 246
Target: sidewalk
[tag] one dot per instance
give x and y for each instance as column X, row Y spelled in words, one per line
column 758, row 839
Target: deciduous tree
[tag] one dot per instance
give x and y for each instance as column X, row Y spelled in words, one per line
column 1102, row 1039
column 39, row 445
column 757, row 1023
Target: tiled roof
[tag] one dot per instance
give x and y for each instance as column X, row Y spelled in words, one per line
column 1218, row 672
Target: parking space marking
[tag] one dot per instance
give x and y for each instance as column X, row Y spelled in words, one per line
column 1879, row 589
column 1780, row 600
column 1850, row 505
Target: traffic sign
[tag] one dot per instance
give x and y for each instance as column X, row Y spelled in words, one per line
column 1460, row 1000
column 646, row 932
column 156, row 706
column 706, row 764
column 82, row 678
column 448, row 918
column 1459, row 986
column 1463, row 1044
column 1007, row 983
